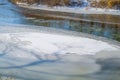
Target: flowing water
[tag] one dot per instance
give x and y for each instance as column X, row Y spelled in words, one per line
column 69, row 66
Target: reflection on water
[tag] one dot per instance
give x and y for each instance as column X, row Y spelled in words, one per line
column 111, row 31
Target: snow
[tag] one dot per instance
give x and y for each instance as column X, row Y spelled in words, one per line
column 42, row 44
column 77, row 10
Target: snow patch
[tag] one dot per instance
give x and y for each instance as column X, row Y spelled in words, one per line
column 42, row 44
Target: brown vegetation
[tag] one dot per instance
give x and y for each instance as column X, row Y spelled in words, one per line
column 25, row 1
column 55, row 2
column 46, row 2
column 93, row 3
column 108, row 3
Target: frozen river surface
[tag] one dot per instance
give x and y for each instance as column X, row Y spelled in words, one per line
column 39, row 53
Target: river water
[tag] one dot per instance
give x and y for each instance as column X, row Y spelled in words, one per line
column 22, row 60
column 9, row 14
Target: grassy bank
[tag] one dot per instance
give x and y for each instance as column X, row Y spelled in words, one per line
column 112, row 4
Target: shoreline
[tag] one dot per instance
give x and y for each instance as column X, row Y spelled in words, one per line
column 76, row 10
column 64, row 14
column 48, row 30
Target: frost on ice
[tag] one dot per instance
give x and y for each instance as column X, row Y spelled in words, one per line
column 52, row 53
column 48, row 44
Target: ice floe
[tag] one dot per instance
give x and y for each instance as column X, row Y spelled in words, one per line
column 42, row 44
column 45, row 54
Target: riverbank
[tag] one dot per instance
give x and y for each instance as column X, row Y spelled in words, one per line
column 77, row 10
column 77, row 14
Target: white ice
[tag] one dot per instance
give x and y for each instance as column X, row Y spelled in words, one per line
column 53, row 56
column 49, row 44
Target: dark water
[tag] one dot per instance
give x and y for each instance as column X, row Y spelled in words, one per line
column 111, row 31
column 9, row 14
